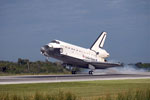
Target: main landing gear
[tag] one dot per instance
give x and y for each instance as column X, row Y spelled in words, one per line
column 74, row 72
column 92, row 69
column 90, row 72
column 75, row 69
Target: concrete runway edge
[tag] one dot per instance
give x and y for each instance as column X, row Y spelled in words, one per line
column 26, row 79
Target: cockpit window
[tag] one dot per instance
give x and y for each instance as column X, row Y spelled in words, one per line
column 54, row 41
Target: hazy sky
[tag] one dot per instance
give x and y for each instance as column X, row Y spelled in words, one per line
column 26, row 25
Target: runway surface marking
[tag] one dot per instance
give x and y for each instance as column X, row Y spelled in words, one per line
column 24, row 79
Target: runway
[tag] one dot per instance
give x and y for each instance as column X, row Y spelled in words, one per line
column 24, row 79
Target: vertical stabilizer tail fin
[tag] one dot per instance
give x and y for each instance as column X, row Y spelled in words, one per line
column 99, row 43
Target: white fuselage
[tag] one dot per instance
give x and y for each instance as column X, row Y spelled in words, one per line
column 74, row 51
column 72, row 55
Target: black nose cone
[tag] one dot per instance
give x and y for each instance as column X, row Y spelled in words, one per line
column 42, row 50
column 46, row 46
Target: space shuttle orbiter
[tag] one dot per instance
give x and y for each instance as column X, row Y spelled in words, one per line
column 75, row 56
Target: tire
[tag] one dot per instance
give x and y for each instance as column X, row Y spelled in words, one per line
column 90, row 72
column 73, row 72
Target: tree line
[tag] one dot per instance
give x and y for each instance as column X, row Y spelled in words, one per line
column 25, row 66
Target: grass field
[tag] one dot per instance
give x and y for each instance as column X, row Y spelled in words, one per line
column 83, row 90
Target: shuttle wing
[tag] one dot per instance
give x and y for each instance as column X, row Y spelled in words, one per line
column 103, row 65
column 84, row 63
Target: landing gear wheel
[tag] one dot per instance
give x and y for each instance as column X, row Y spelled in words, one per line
column 73, row 72
column 90, row 72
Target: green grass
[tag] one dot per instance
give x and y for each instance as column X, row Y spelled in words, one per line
column 129, row 95
column 84, row 90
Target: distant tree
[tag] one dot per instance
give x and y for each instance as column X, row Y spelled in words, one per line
column 28, row 64
column 138, row 64
column 4, row 69
column 19, row 61
column 46, row 60
column 57, row 63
